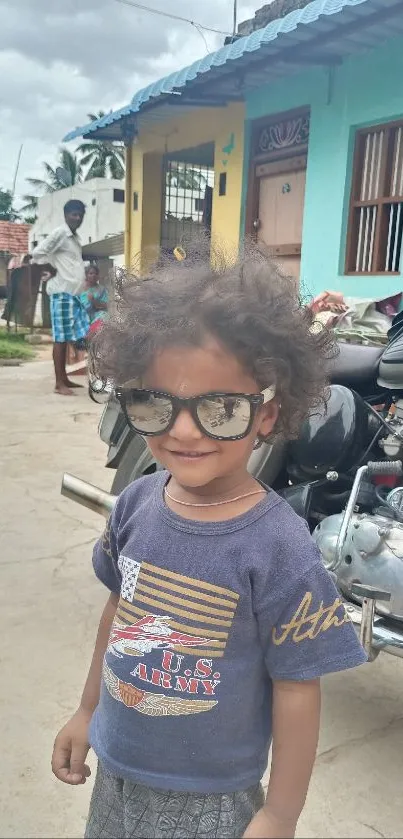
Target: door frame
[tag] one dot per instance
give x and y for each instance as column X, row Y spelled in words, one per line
column 274, row 161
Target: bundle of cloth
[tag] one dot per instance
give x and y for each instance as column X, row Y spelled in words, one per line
column 358, row 320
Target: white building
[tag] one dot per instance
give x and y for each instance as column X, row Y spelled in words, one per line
column 101, row 232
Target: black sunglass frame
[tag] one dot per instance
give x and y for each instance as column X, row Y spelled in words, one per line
column 123, row 395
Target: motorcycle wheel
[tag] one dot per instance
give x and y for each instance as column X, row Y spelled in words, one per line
column 136, row 462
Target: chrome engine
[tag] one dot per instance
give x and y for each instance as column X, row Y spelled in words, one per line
column 372, row 554
column 392, row 444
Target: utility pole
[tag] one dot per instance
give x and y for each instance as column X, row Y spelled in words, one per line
column 16, row 171
column 235, row 16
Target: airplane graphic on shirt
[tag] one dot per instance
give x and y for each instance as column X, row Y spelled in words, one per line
column 149, row 633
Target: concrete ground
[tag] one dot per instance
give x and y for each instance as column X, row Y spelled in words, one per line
column 50, row 606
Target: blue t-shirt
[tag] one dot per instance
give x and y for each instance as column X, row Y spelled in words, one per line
column 209, row 613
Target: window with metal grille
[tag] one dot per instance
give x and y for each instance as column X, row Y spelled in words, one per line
column 375, row 232
column 185, row 189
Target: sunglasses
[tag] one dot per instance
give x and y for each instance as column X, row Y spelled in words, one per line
column 222, row 416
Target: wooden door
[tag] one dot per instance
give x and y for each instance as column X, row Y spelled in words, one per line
column 280, row 211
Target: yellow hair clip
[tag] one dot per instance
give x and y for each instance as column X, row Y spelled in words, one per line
column 179, row 253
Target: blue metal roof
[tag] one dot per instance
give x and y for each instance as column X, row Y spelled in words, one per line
column 343, row 26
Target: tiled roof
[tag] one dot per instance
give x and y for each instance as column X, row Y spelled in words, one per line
column 14, row 237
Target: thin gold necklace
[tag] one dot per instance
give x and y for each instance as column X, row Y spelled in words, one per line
column 214, row 503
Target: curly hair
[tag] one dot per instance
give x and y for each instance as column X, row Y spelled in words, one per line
column 250, row 307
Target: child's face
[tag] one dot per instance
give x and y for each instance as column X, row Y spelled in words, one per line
column 91, row 277
column 191, row 457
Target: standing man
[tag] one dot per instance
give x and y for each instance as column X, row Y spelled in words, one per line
column 61, row 250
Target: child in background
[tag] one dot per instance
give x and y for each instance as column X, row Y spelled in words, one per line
column 221, row 617
column 94, row 299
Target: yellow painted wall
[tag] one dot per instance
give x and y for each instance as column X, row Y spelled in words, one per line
column 227, row 208
column 128, row 217
column 192, row 129
column 135, row 227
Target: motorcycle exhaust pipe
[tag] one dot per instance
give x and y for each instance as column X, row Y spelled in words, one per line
column 88, row 495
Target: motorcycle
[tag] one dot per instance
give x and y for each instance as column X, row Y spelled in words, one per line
column 343, row 475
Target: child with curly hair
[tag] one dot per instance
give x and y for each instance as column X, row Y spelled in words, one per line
column 221, row 617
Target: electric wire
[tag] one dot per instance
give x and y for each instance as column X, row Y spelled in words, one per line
column 170, row 15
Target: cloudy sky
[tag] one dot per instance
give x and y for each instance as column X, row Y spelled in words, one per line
column 60, row 59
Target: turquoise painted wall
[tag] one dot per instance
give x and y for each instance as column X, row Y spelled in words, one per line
column 364, row 90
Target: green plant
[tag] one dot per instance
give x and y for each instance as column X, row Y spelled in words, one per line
column 29, row 210
column 181, row 176
column 13, row 345
column 104, row 158
column 7, row 211
column 54, row 180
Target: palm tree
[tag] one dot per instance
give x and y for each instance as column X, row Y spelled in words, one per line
column 68, row 172
column 181, row 176
column 104, row 158
column 29, row 210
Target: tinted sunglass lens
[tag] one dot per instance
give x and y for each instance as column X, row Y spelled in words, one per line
column 148, row 412
column 224, row 416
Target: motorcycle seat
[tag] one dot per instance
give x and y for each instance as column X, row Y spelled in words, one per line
column 355, row 364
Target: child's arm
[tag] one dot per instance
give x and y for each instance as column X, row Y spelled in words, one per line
column 296, row 714
column 305, row 634
column 99, row 306
column 71, row 745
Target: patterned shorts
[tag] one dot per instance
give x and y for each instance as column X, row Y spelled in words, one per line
column 121, row 809
column 70, row 322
